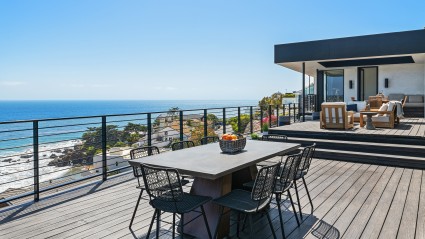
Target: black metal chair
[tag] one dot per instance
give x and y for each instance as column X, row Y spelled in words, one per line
column 182, row 145
column 307, row 156
column 275, row 138
column 209, row 139
column 166, row 195
column 249, row 203
column 139, row 153
column 288, row 171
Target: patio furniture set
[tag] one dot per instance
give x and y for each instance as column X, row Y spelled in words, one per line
column 378, row 111
column 222, row 183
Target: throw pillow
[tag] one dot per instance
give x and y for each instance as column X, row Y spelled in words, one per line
column 383, row 107
column 352, row 107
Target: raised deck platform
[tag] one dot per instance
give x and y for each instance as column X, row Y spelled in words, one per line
column 351, row 200
column 409, row 131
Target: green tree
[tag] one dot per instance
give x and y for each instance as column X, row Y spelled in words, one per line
column 173, row 111
column 233, row 121
column 213, row 119
column 197, row 133
column 274, row 99
column 131, row 133
column 92, row 138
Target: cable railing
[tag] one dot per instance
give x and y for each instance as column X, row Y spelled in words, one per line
column 40, row 155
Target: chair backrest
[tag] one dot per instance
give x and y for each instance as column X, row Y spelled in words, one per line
column 289, row 168
column 375, row 102
column 143, row 152
column 264, row 185
column 307, row 156
column 334, row 114
column 139, row 153
column 275, row 138
column 162, row 183
column 182, row 145
column 209, row 139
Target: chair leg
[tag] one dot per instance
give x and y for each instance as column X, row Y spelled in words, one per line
column 237, row 224
column 182, row 224
column 308, row 194
column 293, row 207
column 206, row 221
column 298, row 199
column 271, row 225
column 150, row 226
column 135, row 209
column 251, row 225
column 174, row 225
column 219, row 220
column 278, row 201
column 158, row 215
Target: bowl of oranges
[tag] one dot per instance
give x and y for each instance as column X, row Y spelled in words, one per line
column 230, row 143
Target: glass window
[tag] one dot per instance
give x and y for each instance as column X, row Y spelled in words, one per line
column 334, row 81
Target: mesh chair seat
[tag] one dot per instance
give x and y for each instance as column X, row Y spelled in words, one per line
column 240, row 200
column 300, row 174
column 188, row 203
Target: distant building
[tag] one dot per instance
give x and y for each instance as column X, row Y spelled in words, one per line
column 116, row 157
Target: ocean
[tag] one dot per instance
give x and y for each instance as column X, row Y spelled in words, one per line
column 16, row 138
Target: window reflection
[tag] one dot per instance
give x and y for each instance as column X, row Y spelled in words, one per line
column 334, row 90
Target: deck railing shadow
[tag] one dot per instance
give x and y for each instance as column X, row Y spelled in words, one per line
column 15, row 212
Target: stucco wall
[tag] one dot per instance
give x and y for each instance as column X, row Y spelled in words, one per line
column 350, row 74
column 403, row 78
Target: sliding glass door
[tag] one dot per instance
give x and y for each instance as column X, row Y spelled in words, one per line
column 334, row 85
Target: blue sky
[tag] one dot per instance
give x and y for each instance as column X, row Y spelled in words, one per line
column 134, row 49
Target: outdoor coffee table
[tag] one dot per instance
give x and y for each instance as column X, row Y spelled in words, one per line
column 215, row 174
column 369, row 115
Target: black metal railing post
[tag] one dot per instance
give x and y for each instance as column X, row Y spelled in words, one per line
column 251, row 126
column 239, row 120
column 36, row 166
column 289, row 111
column 104, row 142
column 295, row 114
column 149, row 129
column 270, row 115
column 181, row 125
column 205, row 123
column 283, row 109
column 224, row 120
column 261, row 119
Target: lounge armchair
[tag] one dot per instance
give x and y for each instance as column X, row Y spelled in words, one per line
column 334, row 115
column 386, row 117
column 375, row 102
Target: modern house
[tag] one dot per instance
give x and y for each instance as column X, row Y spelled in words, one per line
column 361, row 66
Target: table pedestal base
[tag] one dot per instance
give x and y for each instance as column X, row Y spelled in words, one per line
column 215, row 189
column 369, row 124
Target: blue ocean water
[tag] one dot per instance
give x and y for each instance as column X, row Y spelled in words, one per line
column 61, row 130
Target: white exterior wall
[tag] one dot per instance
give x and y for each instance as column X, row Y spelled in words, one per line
column 350, row 74
column 403, row 78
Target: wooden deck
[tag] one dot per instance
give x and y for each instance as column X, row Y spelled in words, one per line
column 351, row 200
column 409, row 127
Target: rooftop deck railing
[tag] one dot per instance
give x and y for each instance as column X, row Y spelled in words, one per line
column 41, row 155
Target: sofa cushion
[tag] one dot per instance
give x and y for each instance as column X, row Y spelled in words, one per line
column 408, row 105
column 380, row 118
column 361, row 105
column 352, row 107
column 398, row 97
column 383, row 107
column 415, row 99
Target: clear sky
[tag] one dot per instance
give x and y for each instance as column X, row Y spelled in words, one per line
column 172, row 49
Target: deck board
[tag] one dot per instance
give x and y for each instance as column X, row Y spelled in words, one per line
column 351, row 200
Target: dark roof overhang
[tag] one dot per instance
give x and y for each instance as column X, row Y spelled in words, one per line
column 387, row 44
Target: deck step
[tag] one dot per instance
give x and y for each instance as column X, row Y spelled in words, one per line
column 371, row 158
column 364, row 147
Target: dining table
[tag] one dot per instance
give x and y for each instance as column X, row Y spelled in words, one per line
column 215, row 174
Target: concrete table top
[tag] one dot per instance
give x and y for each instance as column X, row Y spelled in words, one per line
column 207, row 161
